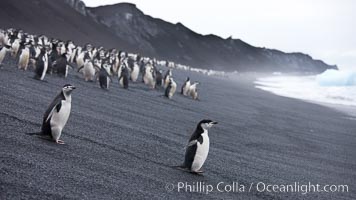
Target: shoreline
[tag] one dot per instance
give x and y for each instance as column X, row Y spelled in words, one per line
column 346, row 109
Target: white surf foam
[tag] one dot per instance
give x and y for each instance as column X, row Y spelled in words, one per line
column 332, row 88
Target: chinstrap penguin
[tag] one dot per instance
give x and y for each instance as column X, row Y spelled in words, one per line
column 124, row 77
column 185, row 87
column 167, row 77
column 104, row 77
column 198, row 147
column 193, row 91
column 3, row 50
column 41, row 65
column 171, row 88
column 57, row 115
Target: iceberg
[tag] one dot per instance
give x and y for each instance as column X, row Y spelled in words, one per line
column 333, row 77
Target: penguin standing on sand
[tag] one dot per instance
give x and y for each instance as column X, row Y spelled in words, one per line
column 123, row 63
column 135, row 70
column 79, row 57
column 53, row 56
column 3, row 50
column 167, row 76
column 171, row 88
column 24, row 57
column 61, row 65
column 3, row 38
column 88, row 68
column 104, row 77
column 198, row 147
column 185, row 88
column 142, row 69
column 159, row 77
column 41, row 65
column 149, row 76
column 193, row 91
column 57, row 115
column 15, row 47
column 70, row 50
column 124, row 77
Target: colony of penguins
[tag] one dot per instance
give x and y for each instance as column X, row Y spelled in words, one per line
column 53, row 56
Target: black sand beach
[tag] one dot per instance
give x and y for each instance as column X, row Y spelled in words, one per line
column 123, row 143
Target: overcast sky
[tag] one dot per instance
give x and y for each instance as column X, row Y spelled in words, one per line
column 325, row 29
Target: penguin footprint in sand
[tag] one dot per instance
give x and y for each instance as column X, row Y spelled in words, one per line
column 57, row 115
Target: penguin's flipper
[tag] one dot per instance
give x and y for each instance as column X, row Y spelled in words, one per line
column 200, row 140
column 96, row 76
column 58, row 106
column 193, row 142
column 50, row 114
column 189, row 155
column 70, row 65
column 96, row 68
column 80, row 68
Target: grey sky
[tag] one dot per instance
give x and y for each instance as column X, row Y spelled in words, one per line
column 325, row 29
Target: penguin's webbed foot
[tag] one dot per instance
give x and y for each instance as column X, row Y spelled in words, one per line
column 60, row 142
column 199, row 172
column 183, row 168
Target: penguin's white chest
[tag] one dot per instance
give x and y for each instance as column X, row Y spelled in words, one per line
column 107, row 82
column 24, row 58
column 89, row 68
column 173, row 89
column 59, row 119
column 119, row 71
column 88, row 71
column 122, row 81
column 45, row 66
column 201, row 152
column 2, row 54
column 66, row 72
column 134, row 73
column 148, row 78
column 148, row 75
column 166, row 81
column 186, row 88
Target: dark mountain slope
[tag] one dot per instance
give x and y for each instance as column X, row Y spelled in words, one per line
column 178, row 43
column 56, row 19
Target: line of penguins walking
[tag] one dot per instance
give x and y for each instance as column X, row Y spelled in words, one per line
column 53, row 56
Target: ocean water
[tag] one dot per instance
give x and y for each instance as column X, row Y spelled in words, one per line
column 332, row 88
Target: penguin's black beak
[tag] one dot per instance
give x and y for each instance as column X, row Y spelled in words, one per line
column 214, row 122
column 73, row 87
